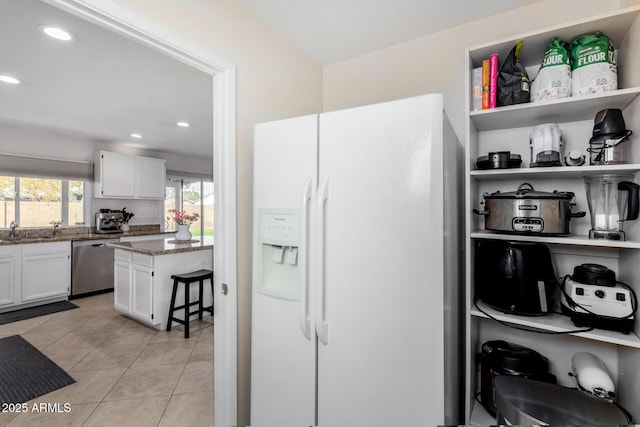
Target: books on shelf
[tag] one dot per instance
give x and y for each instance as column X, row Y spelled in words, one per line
column 489, row 83
column 485, row 84
column 476, row 89
column 493, row 80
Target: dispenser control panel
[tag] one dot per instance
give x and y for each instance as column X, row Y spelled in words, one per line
column 280, row 228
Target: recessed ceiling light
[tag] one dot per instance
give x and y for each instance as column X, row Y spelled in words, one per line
column 136, row 135
column 183, row 124
column 10, row 80
column 57, row 33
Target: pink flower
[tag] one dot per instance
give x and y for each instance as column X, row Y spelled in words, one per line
column 181, row 217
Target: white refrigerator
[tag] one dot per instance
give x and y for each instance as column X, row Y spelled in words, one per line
column 357, row 277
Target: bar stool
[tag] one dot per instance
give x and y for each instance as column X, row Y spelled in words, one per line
column 188, row 278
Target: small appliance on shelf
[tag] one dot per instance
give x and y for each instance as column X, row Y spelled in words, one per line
column 593, row 297
column 515, row 277
column 545, row 142
column 612, row 199
column 609, row 144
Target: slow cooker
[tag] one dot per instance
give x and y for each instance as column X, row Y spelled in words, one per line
column 529, row 211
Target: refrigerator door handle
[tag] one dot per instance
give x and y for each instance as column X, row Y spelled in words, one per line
column 322, row 328
column 305, row 321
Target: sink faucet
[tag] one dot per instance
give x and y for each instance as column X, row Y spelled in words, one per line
column 12, row 229
column 55, row 225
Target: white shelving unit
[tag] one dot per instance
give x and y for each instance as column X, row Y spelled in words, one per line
column 508, row 129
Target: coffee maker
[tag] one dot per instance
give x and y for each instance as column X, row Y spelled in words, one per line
column 612, row 200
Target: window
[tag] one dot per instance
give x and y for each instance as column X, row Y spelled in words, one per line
column 36, row 202
column 191, row 196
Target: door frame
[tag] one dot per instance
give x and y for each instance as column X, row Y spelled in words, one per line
column 121, row 20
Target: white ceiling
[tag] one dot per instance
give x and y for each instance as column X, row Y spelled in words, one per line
column 332, row 31
column 102, row 86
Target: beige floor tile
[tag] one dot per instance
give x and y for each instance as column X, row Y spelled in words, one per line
column 197, row 377
column 46, row 418
column 20, row 327
column 194, row 410
column 165, row 353
column 5, row 417
column 176, row 334
column 135, row 412
column 147, row 381
column 43, row 340
column 102, row 324
column 127, row 335
column 203, row 351
column 90, row 386
column 110, row 356
column 81, row 340
column 66, row 357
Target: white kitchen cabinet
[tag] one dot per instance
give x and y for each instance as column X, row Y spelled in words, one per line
column 122, row 281
column 121, row 176
column 114, row 175
column 507, row 129
column 142, row 287
column 9, row 276
column 150, row 178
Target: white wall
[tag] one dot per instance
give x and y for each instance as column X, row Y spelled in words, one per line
column 435, row 63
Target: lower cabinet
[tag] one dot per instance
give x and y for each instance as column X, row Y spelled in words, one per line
column 34, row 274
column 143, row 285
column 8, row 275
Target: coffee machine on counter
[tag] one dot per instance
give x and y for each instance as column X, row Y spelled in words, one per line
column 108, row 221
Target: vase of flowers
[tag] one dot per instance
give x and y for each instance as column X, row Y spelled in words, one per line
column 183, row 220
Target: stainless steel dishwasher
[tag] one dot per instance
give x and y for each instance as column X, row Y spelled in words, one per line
column 91, row 267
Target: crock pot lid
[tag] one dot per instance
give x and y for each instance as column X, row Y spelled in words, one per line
column 526, row 193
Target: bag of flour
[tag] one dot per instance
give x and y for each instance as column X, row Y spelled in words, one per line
column 593, row 65
column 554, row 78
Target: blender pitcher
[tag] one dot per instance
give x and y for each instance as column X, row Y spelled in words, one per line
column 612, row 200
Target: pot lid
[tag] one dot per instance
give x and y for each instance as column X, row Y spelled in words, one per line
column 526, row 191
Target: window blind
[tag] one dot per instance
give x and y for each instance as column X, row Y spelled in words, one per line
column 13, row 165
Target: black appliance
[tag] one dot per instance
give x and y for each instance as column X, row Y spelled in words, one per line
column 515, row 277
column 505, row 358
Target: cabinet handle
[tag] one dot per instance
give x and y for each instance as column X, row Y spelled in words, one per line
column 225, row 289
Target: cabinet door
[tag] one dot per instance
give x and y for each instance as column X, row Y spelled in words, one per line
column 150, row 178
column 122, row 285
column 8, row 281
column 45, row 276
column 142, row 292
column 116, row 175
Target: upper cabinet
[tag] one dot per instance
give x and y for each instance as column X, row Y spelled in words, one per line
column 121, row 176
column 150, row 178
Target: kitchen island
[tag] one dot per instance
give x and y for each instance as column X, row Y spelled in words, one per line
column 142, row 276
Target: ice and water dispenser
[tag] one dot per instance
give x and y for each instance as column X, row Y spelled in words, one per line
column 278, row 247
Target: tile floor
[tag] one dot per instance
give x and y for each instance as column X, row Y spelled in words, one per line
column 126, row 374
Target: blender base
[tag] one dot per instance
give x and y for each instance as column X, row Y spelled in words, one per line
column 607, row 235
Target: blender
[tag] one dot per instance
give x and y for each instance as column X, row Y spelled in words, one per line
column 612, row 200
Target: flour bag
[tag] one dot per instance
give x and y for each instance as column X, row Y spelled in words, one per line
column 593, row 65
column 554, row 78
